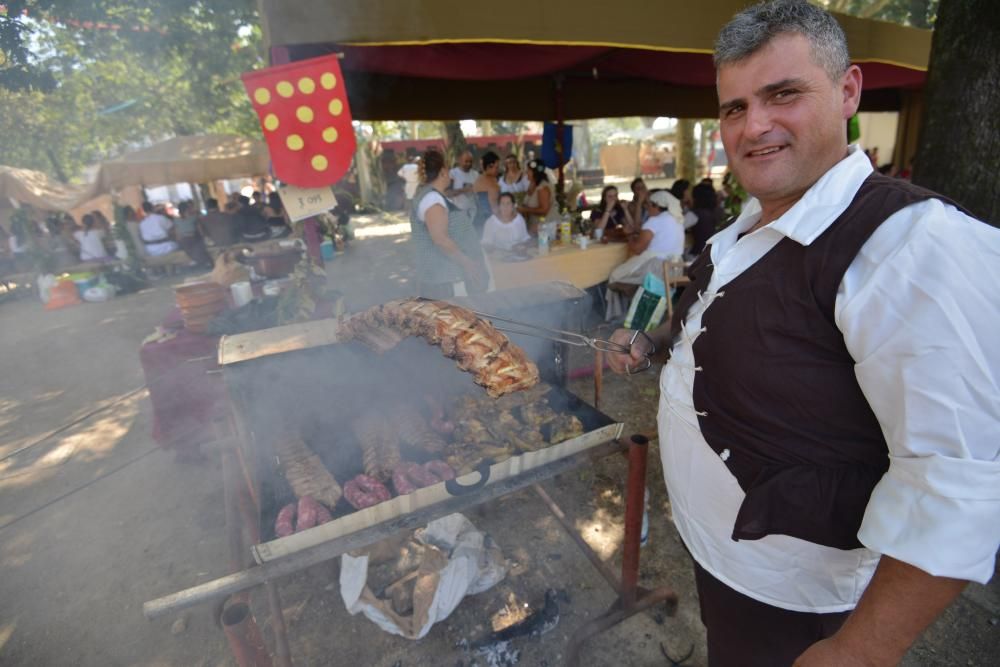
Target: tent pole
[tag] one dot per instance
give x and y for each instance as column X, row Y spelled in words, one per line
column 560, row 156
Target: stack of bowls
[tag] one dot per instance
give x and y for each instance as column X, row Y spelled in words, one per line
column 200, row 303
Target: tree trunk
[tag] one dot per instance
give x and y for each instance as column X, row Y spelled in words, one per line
column 958, row 153
column 454, row 142
column 685, row 149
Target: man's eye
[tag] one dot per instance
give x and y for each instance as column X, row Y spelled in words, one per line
column 785, row 94
column 733, row 111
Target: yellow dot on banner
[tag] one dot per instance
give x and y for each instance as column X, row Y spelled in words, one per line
column 294, row 142
column 330, row 135
column 305, row 114
column 319, row 163
column 262, row 95
column 307, row 85
column 271, row 122
column 284, row 89
column 336, row 107
column 328, row 80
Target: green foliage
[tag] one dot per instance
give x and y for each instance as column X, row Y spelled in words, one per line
column 119, row 88
column 916, row 13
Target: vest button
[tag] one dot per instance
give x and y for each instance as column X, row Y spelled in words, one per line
column 724, row 454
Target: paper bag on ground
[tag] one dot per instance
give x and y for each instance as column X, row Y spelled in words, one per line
column 457, row 560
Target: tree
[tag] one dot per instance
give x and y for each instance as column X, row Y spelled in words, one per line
column 958, row 153
column 454, row 141
column 686, row 166
column 114, row 88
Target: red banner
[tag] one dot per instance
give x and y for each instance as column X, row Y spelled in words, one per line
column 303, row 111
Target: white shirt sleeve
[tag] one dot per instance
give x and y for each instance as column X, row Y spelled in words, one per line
column 690, row 219
column 429, row 200
column 490, row 231
column 919, row 310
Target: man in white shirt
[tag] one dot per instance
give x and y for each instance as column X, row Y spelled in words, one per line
column 410, row 173
column 155, row 232
column 462, row 178
column 828, row 417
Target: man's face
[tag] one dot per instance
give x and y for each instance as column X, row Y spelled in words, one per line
column 782, row 118
column 493, row 169
column 466, row 161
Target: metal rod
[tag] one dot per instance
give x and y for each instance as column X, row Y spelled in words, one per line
column 245, row 640
column 598, row 377
column 615, row 615
column 283, row 653
column 300, row 560
column 635, row 501
column 595, row 560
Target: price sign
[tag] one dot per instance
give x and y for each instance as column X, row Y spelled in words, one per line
column 304, row 202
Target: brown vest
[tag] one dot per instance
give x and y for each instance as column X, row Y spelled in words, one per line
column 777, row 384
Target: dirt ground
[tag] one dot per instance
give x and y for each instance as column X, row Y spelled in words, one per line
column 95, row 520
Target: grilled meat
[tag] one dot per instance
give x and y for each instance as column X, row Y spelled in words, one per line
column 306, row 473
column 379, row 445
column 476, row 346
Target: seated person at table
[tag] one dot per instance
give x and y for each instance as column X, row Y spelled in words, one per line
column 637, row 207
column 540, row 203
column 274, row 213
column 157, row 232
column 91, row 241
column 506, row 229
column 706, row 210
column 188, row 236
column 611, row 214
column 218, row 226
column 252, row 225
column 661, row 236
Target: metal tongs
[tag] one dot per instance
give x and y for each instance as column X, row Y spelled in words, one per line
column 576, row 339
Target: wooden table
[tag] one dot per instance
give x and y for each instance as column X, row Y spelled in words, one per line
column 582, row 268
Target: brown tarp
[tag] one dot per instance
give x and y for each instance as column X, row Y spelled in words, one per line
column 194, row 159
column 611, row 59
column 37, row 190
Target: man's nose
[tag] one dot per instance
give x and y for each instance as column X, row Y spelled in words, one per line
column 758, row 121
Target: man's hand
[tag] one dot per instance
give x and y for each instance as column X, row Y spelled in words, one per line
column 640, row 349
column 899, row 603
column 829, row 653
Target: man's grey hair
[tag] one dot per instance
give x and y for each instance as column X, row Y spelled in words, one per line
column 754, row 27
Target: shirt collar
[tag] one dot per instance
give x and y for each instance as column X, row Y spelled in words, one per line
column 811, row 215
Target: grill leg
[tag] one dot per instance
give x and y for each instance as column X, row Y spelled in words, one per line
column 632, row 598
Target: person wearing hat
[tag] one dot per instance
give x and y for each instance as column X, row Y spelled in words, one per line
column 661, row 236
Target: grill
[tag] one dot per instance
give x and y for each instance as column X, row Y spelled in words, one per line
column 299, row 380
column 296, row 381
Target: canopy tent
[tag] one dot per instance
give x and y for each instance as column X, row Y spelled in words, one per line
column 194, row 159
column 562, row 58
column 37, row 190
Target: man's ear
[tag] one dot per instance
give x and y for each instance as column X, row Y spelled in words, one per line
column 851, row 86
